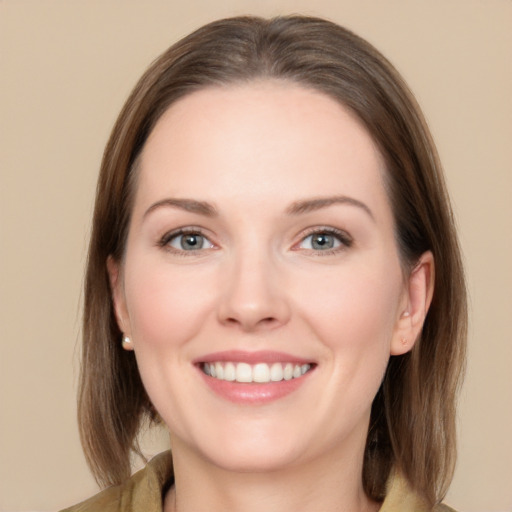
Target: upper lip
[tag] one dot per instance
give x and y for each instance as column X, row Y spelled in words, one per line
column 261, row 356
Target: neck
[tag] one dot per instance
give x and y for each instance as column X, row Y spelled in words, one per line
column 333, row 485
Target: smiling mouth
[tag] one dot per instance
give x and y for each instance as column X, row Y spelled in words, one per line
column 260, row 373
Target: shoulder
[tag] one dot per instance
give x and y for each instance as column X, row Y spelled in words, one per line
column 143, row 491
column 443, row 508
column 106, row 501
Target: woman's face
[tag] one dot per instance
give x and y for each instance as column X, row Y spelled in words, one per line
column 261, row 245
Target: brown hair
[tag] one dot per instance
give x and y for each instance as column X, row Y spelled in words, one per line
column 413, row 415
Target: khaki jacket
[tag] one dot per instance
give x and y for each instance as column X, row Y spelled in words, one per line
column 143, row 493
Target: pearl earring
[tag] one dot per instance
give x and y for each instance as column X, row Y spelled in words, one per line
column 127, row 343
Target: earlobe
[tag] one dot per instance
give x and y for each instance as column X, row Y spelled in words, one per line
column 118, row 300
column 419, row 292
column 127, row 343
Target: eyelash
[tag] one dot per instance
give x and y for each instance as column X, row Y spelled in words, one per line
column 165, row 241
column 342, row 237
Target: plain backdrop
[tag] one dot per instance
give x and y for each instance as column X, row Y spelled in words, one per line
column 67, row 67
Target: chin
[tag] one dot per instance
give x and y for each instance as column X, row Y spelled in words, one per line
column 257, row 461
column 249, row 450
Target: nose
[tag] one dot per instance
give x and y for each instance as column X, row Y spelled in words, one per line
column 253, row 294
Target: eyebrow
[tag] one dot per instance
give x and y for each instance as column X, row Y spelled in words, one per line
column 296, row 208
column 189, row 205
column 311, row 205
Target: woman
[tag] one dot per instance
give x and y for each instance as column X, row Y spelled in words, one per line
column 274, row 273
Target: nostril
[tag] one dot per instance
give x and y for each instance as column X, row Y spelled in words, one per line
column 253, row 311
column 268, row 321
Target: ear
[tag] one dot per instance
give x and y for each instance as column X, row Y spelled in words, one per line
column 418, row 294
column 118, row 299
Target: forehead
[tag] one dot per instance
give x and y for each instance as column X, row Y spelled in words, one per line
column 260, row 140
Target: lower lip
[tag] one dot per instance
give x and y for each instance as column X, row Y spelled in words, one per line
column 253, row 392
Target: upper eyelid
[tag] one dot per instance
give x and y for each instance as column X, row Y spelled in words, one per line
column 344, row 238
column 186, row 230
column 341, row 233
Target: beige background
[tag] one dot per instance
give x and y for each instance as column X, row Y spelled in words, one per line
column 66, row 68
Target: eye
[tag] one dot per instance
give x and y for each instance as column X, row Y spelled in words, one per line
column 325, row 240
column 186, row 241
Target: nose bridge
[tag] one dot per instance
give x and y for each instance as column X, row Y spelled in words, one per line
column 253, row 295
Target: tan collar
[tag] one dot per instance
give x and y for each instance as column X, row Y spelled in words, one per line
column 401, row 498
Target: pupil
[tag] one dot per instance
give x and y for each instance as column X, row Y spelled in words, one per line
column 191, row 241
column 323, row 242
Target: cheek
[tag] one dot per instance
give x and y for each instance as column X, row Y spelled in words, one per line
column 165, row 308
column 355, row 301
column 353, row 312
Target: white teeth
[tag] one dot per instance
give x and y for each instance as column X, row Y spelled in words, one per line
column 219, row 371
column 229, row 371
column 260, row 372
column 243, row 372
column 276, row 372
column 288, row 371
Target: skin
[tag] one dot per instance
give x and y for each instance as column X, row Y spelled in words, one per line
column 258, row 283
